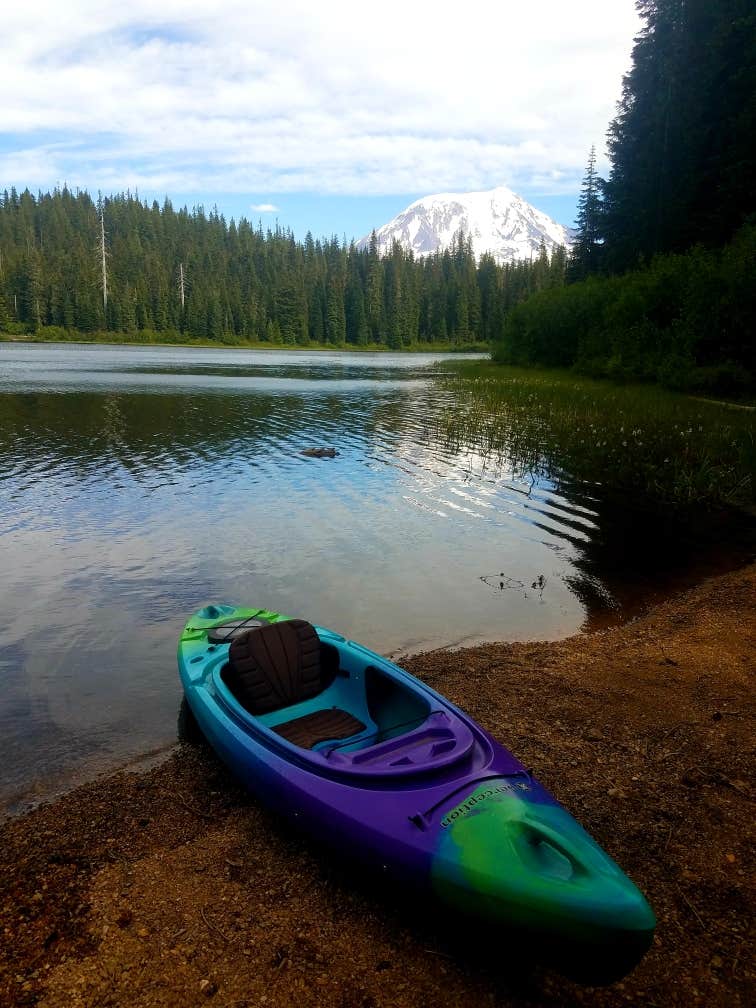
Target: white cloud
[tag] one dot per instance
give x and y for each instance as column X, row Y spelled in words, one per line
column 264, row 207
column 291, row 96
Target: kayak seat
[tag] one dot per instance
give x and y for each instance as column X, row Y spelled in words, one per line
column 320, row 726
column 279, row 665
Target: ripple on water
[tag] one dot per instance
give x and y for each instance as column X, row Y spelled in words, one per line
column 137, row 484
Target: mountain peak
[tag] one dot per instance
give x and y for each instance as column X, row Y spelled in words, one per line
column 498, row 221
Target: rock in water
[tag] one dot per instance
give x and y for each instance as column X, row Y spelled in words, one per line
column 319, row 452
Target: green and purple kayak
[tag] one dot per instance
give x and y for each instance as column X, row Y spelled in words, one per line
column 357, row 751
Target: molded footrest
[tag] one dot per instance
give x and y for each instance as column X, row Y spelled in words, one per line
column 320, row 726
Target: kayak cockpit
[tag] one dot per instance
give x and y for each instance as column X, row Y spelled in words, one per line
column 336, row 707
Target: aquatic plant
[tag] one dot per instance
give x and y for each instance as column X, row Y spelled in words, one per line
column 653, row 445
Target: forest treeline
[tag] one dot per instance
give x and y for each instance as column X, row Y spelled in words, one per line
column 662, row 272
column 187, row 274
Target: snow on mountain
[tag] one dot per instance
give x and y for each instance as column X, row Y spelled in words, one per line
column 498, row 221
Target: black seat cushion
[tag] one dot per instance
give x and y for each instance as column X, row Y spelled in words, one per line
column 276, row 666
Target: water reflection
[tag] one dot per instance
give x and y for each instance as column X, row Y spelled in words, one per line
column 595, row 458
column 137, row 484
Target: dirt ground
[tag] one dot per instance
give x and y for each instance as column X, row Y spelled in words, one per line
column 173, row 887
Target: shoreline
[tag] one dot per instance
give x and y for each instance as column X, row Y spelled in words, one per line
column 172, row 886
column 113, row 340
column 635, row 605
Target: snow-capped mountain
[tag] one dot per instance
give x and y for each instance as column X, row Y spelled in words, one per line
column 498, row 221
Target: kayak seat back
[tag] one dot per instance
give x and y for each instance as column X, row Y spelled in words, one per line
column 279, row 665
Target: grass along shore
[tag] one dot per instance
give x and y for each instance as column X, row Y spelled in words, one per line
column 651, row 446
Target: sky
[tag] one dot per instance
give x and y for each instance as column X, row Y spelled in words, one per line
column 329, row 117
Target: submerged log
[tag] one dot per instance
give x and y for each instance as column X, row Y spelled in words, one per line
column 319, row 452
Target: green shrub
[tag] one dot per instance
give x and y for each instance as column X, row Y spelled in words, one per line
column 686, row 321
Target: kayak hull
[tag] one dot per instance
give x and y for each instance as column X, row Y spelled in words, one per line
column 478, row 833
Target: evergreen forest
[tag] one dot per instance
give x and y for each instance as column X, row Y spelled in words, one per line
column 187, row 275
column 661, row 282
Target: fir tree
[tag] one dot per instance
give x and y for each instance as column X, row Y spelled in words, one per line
column 586, row 247
column 682, row 151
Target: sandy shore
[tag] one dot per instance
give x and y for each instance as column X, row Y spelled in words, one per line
column 174, row 888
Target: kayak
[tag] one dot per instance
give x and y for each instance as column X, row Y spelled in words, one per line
column 360, row 753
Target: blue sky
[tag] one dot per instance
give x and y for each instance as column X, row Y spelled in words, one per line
column 326, row 215
column 330, row 117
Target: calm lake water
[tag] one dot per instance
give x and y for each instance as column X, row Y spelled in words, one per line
column 137, row 484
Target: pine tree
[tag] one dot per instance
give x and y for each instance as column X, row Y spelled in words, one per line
column 681, row 145
column 354, row 301
column 374, row 299
column 30, row 290
column 290, row 308
column 335, row 314
column 586, row 247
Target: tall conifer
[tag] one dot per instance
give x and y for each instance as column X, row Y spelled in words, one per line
column 586, row 248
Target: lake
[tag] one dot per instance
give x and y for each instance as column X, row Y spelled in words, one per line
column 139, row 483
